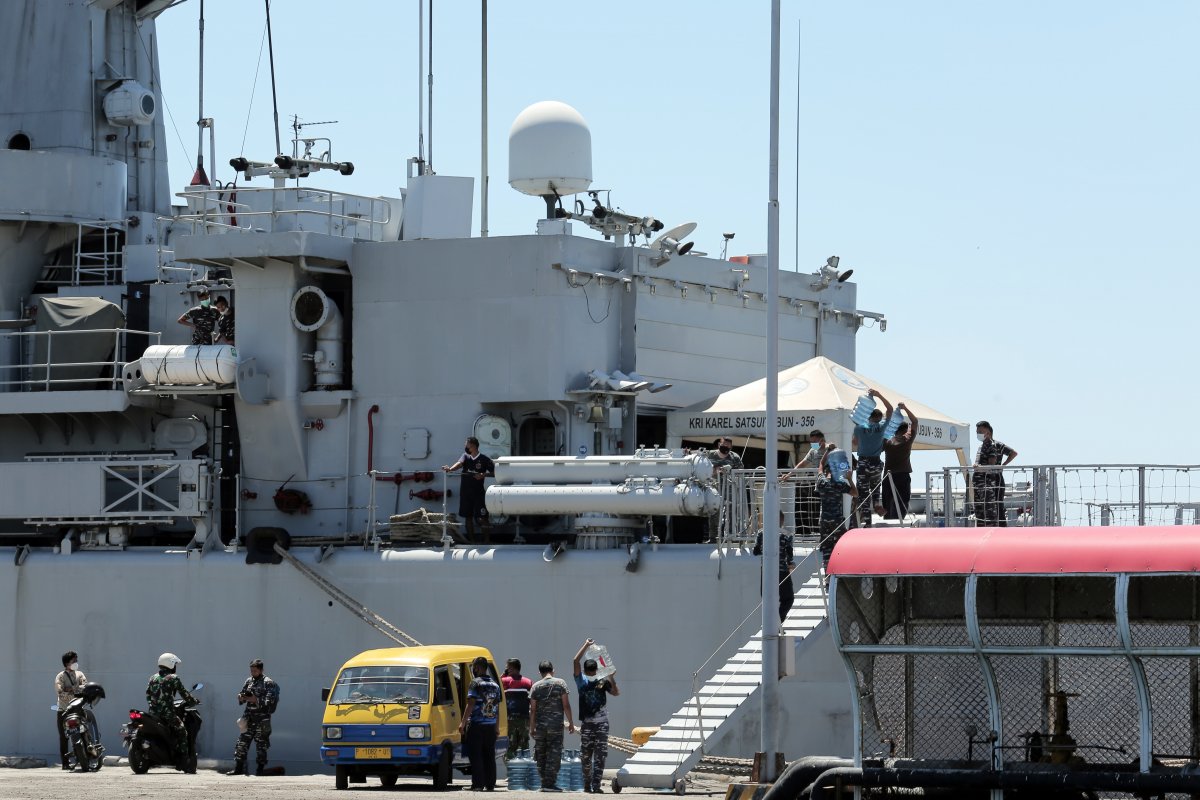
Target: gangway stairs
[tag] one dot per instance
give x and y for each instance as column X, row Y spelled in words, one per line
column 668, row 756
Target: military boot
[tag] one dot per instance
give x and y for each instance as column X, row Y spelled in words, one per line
column 239, row 767
column 261, row 771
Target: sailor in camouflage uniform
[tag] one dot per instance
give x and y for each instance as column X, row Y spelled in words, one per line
column 593, row 718
column 260, row 695
column 549, row 706
column 833, row 518
column 160, row 697
column 202, row 319
column 989, row 483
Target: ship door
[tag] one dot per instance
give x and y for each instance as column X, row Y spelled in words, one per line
column 537, row 436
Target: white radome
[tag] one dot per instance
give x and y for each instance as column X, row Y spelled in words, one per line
column 549, row 150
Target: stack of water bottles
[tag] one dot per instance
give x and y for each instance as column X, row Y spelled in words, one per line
column 522, row 773
column 570, row 771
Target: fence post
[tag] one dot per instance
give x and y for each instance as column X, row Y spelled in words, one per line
column 1141, row 495
column 948, row 499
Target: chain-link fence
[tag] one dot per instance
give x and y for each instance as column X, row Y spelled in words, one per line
column 1070, row 495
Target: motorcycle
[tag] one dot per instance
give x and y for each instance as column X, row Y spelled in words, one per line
column 81, row 731
column 150, row 743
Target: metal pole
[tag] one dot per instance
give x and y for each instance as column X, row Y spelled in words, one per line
column 770, row 571
column 797, row 265
column 274, row 96
column 483, row 178
column 430, row 137
column 1141, row 496
column 200, row 119
column 420, row 87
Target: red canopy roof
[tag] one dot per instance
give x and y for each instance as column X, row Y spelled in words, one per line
column 1016, row 551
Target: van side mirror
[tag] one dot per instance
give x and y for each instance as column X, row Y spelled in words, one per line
column 325, row 695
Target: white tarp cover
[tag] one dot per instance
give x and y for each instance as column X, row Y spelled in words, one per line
column 816, row 394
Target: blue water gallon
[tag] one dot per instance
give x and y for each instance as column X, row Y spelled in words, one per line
column 518, row 773
column 535, row 777
column 861, row 415
column 839, row 463
column 570, row 771
column 893, row 423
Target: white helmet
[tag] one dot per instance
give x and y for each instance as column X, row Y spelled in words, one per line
column 169, row 661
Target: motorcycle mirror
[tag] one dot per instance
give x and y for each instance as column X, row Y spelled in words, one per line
column 54, row 707
column 197, row 687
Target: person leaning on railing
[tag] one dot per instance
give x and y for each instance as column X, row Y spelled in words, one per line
column 987, row 478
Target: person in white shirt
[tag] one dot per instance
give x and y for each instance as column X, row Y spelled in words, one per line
column 67, row 684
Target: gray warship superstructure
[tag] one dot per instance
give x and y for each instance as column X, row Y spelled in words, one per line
column 373, row 334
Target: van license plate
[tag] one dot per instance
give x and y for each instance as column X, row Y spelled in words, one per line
column 372, row 752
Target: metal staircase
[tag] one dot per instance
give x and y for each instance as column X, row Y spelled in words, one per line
column 670, row 754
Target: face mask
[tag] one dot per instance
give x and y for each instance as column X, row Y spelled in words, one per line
column 205, row 303
column 723, row 450
column 467, row 450
column 815, row 446
column 74, row 666
column 981, row 437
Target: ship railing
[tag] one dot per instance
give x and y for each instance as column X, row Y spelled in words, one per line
column 277, row 210
column 46, row 373
column 98, row 258
column 1077, row 495
column 742, row 493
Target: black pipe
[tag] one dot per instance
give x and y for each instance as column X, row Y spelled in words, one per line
column 877, row 777
column 800, row 773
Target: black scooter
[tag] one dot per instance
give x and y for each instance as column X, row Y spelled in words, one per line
column 151, row 744
column 80, row 729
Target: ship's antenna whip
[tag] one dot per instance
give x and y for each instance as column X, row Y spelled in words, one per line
column 274, row 98
column 483, row 183
column 430, row 87
column 420, row 87
column 200, row 178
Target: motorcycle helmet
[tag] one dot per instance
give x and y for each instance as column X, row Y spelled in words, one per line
column 169, row 661
column 92, row 693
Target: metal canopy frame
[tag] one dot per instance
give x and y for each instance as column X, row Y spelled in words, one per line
column 1126, row 648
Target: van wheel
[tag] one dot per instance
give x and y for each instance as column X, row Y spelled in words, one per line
column 341, row 778
column 443, row 773
column 388, row 781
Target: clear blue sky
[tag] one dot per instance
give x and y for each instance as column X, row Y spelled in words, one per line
column 1015, row 185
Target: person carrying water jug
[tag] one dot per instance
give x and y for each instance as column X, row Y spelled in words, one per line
column 868, row 442
column 593, row 717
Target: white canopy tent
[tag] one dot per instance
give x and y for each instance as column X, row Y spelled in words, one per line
column 816, row 394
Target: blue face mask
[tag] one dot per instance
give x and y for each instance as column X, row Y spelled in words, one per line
column 205, row 303
column 814, row 446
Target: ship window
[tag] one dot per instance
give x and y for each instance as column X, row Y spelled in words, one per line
column 18, row 141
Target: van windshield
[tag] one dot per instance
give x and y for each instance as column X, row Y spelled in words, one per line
column 395, row 684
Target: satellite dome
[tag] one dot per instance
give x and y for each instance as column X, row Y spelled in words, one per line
column 549, row 150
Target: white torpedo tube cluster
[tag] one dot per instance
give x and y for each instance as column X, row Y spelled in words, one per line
column 611, row 497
